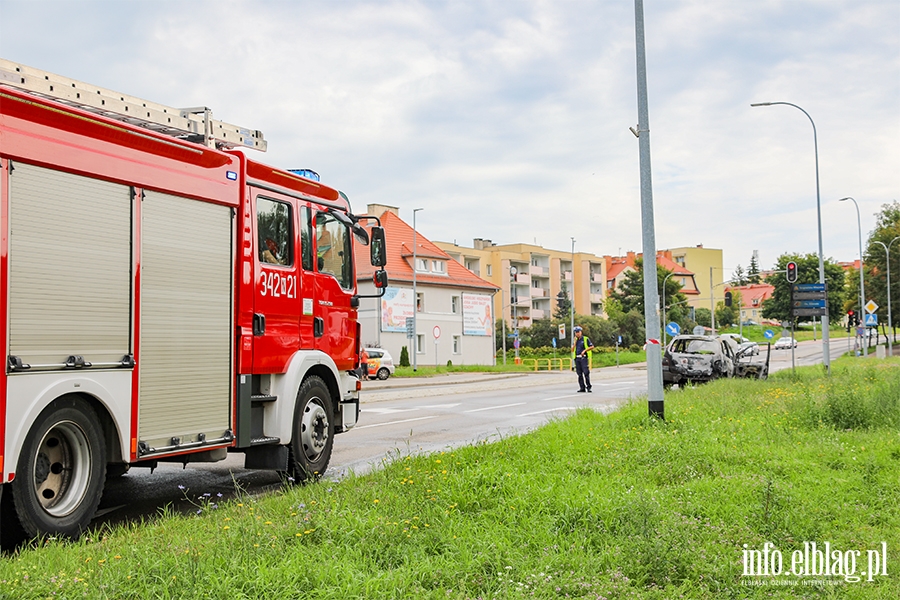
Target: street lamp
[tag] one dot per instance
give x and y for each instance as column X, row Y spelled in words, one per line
column 514, row 306
column 887, row 259
column 862, row 287
column 415, row 296
column 826, row 356
column 572, row 304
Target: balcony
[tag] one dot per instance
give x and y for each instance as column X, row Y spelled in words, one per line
column 567, row 276
column 539, row 271
column 597, row 277
column 539, row 292
column 537, row 313
column 596, row 298
column 523, row 278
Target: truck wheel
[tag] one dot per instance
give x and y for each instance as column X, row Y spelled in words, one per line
column 61, row 470
column 383, row 373
column 313, row 434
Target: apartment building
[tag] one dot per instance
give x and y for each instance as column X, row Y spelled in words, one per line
column 531, row 277
column 709, row 275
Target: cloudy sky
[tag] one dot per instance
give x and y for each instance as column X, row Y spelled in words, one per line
column 509, row 119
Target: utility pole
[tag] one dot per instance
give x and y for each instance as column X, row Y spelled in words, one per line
column 648, row 232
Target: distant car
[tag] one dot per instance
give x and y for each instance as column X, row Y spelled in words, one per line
column 736, row 337
column 785, row 343
column 698, row 358
column 749, row 323
column 748, row 348
column 381, row 364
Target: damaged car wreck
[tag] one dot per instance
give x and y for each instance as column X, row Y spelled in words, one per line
column 700, row 358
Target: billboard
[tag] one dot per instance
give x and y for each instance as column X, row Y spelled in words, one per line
column 396, row 305
column 477, row 319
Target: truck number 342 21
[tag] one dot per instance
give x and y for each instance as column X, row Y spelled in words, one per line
column 277, row 285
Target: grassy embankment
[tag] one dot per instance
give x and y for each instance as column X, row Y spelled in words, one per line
column 603, row 358
column 593, row 506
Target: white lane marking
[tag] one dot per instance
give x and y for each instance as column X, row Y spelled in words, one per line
column 493, row 407
column 540, row 412
column 394, row 422
column 455, row 404
column 618, row 383
column 559, row 397
column 388, row 411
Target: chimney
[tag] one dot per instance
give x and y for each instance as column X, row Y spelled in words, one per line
column 376, row 210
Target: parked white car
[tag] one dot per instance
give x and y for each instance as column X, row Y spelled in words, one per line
column 785, row 343
column 381, row 364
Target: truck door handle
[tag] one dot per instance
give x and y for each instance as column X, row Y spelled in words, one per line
column 259, row 324
column 318, row 327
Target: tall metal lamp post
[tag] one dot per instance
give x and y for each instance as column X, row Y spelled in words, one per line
column 826, row 356
column 862, row 286
column 415, row 343
column 572, row 303
column 887, row 260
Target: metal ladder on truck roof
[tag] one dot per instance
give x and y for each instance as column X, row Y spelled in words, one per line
column 192, row 124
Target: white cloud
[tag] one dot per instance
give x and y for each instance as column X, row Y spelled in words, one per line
column 508, row 120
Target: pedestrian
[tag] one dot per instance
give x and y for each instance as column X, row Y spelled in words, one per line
column 582, row 351
column 364, row 365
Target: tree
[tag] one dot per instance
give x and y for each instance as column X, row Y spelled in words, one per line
column 630, row 294
column 563, row 303
column 778, row 306
column 752, row 270
column 738, row 277
column 404, row 357
column 887, row 227
column 725, row 315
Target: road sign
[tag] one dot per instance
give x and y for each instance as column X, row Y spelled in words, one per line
column 808, row 287
column 699, row 330
column 809, row 312
column 410, row 327
column 809, row 296
column 768, row 334
column 562, row 331
column 619, row 341
column 673, row 328
column 809, row 303
column 553, row 341
column 436, row 332
column 871, row 306
column 516, row 343
column 870, row 320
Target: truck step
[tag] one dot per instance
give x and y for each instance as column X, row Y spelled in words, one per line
column 263, row 398
column 265, row 441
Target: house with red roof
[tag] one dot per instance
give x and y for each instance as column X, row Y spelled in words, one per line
column 453, row 307
column 752, row 298
column 618, row 266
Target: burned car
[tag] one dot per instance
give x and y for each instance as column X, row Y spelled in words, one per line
column 745, row 365
column 697, row 358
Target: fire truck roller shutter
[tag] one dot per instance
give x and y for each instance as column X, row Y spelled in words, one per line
column 186, row 316
column 70, row 267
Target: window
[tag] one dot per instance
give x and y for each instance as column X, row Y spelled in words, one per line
column 274, row 232
column 438, row 266
column 454, row 304
column 421, row 265
column 333, row 254
column 489, row 270
column 420, row 343
column 456, row 344
column 306, row 255
column 420, row 301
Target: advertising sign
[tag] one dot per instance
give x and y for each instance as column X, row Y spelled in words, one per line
column 396, row 305
column 477, row 319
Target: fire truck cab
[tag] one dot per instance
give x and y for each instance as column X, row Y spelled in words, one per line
column 163, row 298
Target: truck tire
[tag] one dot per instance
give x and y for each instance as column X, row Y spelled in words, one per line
column 383, row 373
column 61, row 470
column 313, row 434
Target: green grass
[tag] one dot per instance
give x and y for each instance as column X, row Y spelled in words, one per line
column 755, row 332
column 618, row 506
column 601, row 358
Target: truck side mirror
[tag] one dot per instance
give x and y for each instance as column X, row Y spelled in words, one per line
column 381, row 280
column 377, row 249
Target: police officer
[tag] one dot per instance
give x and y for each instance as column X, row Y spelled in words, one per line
column 581, row 352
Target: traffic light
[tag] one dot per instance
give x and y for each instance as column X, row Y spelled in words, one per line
column 727, row 298
column 851, row 319
column 792, row 272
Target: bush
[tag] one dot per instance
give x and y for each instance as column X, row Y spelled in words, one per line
column 404, row 357
column 634, row 348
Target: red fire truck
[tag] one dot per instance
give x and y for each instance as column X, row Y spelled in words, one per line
column 163, row 298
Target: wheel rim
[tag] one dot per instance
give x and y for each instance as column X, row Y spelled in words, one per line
column 62, row 469
column 314, row 429
column 383, row 374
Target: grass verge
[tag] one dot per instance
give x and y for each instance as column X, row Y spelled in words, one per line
column 593, row 506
